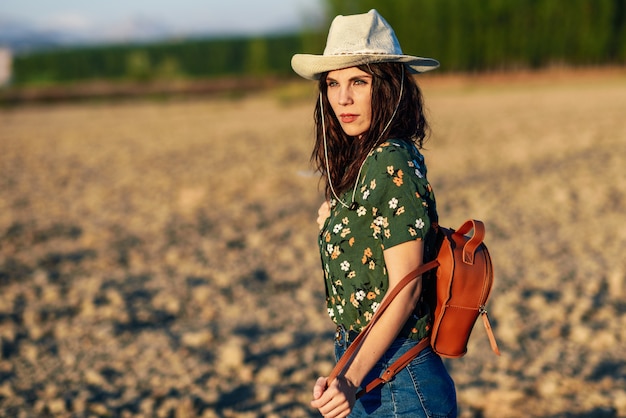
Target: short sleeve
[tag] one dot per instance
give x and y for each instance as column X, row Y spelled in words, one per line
column 397, row 191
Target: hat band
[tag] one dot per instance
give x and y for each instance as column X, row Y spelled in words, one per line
column 339, row 54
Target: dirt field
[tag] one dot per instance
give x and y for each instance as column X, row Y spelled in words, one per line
column 159, row 258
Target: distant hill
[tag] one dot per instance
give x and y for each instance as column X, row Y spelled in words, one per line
column 21, row 36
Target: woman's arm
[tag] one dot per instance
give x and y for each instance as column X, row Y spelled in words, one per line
column 400, row 261
column 338, row 399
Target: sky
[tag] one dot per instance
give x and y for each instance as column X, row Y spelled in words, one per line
column 121, row 17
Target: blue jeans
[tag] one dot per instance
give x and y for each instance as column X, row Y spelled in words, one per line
column 422, row 389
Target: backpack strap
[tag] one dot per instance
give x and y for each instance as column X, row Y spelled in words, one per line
column 397, row 365
column 487, row 324
column 406, row 358
column 474, row 242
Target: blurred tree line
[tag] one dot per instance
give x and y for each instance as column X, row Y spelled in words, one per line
column 463, row 35
column 482, row 35
column 194, row 58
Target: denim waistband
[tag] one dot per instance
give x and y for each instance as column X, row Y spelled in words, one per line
column 344, row 337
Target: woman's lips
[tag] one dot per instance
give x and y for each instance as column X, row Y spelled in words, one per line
column 347, row 117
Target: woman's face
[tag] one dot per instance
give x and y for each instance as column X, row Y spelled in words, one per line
column 350, row 95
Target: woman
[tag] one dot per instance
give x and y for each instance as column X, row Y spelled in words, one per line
column 379, row 220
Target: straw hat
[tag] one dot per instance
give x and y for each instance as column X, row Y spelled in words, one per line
column 355, row 40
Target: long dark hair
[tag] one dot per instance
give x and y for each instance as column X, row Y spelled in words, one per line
column 345, row 154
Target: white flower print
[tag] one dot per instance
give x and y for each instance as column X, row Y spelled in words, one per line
column 339, row 309
column 330, row 248
column 331, row 313
column 345, row 265
column 360, row 295
column 337, row 228
column 366, row 194
column 375, row 306
column 361, row 211
column 419, row 224
column 393, row 203
column 379, row 220
column 390, row 170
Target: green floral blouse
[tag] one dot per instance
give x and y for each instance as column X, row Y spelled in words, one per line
column 395, row 204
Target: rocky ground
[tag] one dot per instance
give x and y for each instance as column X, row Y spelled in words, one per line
column 158, row 259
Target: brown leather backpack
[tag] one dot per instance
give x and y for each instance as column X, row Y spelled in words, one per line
column 464, row 277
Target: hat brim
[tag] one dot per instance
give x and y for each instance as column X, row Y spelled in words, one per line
column 311, row 66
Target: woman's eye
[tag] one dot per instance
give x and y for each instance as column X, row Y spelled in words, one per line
column 359, row 82
column 331, row 84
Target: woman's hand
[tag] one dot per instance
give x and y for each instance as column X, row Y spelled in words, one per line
column 322, row 213
column 337, row 400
